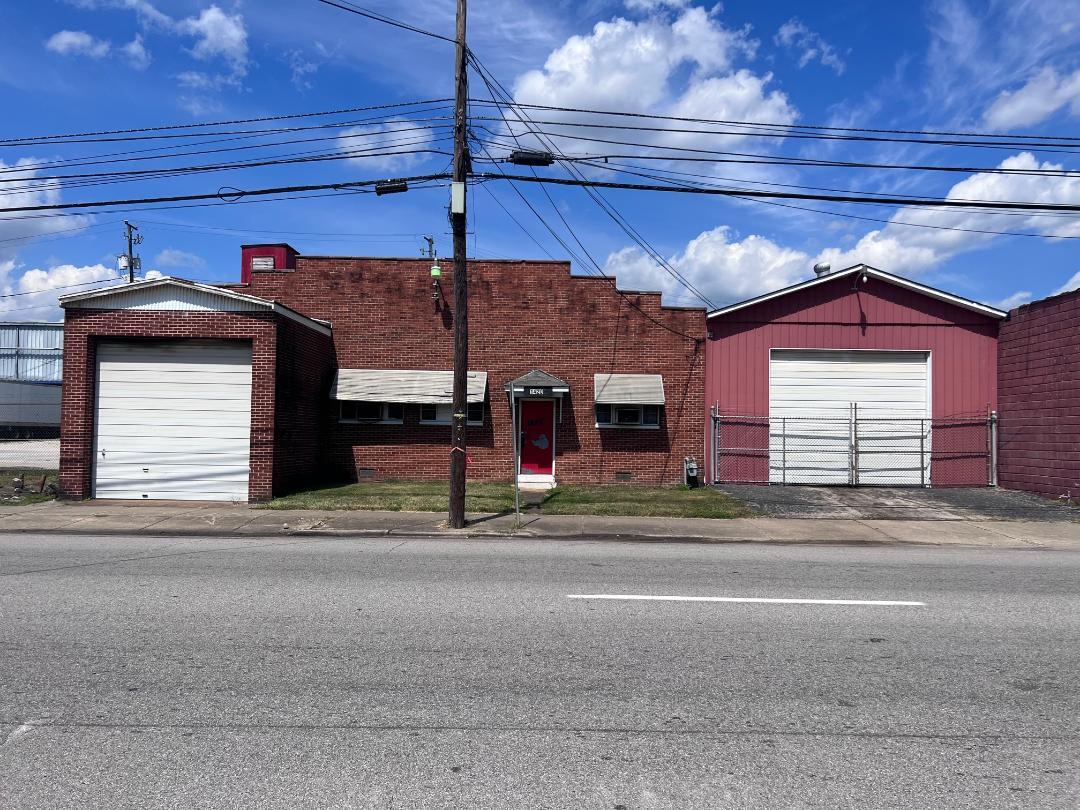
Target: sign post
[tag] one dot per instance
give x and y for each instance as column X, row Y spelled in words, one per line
column 514, row 430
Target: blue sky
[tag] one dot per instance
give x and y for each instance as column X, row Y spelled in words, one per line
column 1003, row 67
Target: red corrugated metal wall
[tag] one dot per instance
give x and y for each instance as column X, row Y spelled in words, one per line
column 876, row 315
column 1039, row 445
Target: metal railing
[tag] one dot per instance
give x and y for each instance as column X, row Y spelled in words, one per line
column 853, row 450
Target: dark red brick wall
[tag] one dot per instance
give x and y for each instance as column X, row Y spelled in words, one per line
column 1039, row 397
column 83, row 328
column 522, row 316
column 305, row 371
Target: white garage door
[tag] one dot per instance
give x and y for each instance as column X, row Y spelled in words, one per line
column 173, row 420
column 839, row 417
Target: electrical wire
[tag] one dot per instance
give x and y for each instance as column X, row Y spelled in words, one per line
column 1042, row 147
column 725, row 192
column 852, row 216
column 237, row 193
column 779, row 126
column 720, row 156
column 596, row 197
column 383, row 18
column 234, row 122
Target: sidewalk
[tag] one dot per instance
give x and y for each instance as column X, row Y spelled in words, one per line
column 179, row 519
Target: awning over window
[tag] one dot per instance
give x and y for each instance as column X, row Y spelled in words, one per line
column 408, row 385
column 628, row 389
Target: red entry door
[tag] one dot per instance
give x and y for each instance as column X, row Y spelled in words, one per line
column 537, row 437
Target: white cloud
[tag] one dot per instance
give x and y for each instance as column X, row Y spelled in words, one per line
column 725, row 270
column 78, row 43
column 685, row 66
column 912, row 251
column 729, row 270
column 302, row 69
column 136, row 53
column 38, row 290
column 1014, row 300
column 218, row 35
column 649, row 6
column 809, row 45
column 1042, row 96
column 1072, row 284
column 389, row 145
column 171, row 257
column 17, row 230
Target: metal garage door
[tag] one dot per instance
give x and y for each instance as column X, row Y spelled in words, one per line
column 173, row 420
column 849, row 417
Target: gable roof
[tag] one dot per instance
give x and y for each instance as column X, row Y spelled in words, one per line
column 872, row 272
column 180, row 294
column 538, row 379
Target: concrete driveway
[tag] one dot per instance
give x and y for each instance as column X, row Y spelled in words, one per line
column 899, row 503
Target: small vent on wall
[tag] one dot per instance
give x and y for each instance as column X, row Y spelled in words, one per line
column 624, row 475
column 366, row 474
column 262, row 262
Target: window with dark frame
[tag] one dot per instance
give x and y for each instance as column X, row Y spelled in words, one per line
column 441, row 414
column 371, row 412
column 629, row 416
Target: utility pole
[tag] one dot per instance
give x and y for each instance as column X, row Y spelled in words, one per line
column 129, row 260
column 461, row 281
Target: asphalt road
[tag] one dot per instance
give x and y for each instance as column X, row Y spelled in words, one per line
column 285, row 672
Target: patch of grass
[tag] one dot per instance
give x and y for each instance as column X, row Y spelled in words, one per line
column 399, row 496
column 431, row 496
column 637, row 501
column 31, row 483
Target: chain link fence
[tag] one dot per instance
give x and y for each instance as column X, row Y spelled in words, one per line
column 853, row 450
column 29, row 448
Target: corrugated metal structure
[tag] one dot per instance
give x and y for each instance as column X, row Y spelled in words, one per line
column 404, row 385
column 859, row 309
column 628, row 389
column 32, row 352
column 31, row 369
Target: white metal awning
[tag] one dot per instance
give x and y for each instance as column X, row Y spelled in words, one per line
column 628, row 389
column 404, row 385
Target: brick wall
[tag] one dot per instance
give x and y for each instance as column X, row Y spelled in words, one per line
column 1039, row 397
column 522, row 316
column 305, row 371
column 83, row 328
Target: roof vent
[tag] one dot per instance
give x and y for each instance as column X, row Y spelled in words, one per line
column 822, row 269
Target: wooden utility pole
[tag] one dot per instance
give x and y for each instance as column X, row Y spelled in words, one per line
column 133, row 238
column 461, row 279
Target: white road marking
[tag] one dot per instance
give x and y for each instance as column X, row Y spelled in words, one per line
column 23, row 729
column 751, row 599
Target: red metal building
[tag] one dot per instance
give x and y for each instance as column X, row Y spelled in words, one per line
column 853, row 377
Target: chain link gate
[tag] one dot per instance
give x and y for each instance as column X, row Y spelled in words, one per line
column 854, row 450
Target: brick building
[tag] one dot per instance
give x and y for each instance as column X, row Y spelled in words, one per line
column 1039, row 397
column 319, row 367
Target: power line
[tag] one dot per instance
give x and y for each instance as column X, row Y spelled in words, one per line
column 779, row 126
column 233, row 122
column 599, row 273
column 726, row 192
column 64, row 287
column 595, row 196
column 769, row 160
column 170, row 151
column 383, row 18
column 854, row 216
column 222, row 193
column 1000, row 144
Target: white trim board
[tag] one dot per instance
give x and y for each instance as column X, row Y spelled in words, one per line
column 871, row 272
column 154, row 295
